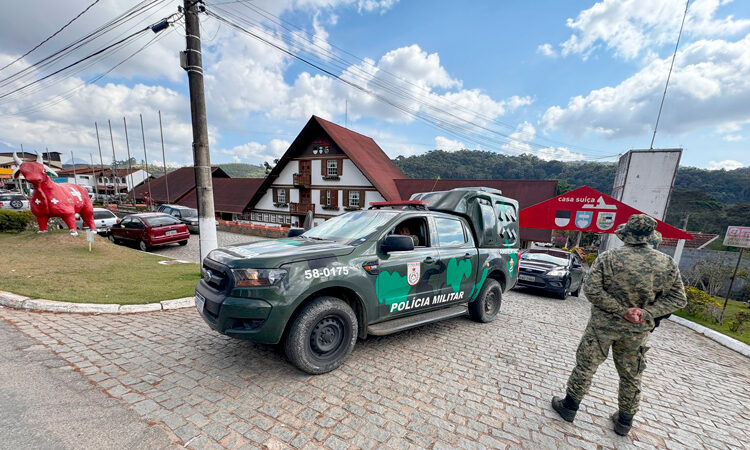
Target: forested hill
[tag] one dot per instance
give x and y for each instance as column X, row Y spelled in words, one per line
column 728, row 187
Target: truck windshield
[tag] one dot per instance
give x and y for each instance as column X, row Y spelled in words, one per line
column 352, row 228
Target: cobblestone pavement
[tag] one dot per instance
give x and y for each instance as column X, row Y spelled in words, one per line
column 451, row 384
column 191, row 251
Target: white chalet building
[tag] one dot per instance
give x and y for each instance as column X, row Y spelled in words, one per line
column 328, row 170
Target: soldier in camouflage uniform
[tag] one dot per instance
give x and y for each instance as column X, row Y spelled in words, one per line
column 629, row 288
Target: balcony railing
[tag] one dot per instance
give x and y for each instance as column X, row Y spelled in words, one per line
column 301, row 208
column 301, row 180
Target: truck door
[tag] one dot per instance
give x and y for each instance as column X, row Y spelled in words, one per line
column 459, row 257
column 405, row 279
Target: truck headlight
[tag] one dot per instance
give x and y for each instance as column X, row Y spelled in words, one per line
column 558, row 272
column 257, row 277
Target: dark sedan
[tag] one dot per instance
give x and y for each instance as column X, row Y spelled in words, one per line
column 188, row 216
column 552, row 270
column 149, row 230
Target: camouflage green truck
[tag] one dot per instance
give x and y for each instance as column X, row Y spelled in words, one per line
column 378, row 271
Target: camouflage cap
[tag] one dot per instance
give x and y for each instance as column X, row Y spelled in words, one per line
column 639, row 229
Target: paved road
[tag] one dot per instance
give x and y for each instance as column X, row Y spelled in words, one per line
column 191, row 251
column 451, row 384
column 44, row 404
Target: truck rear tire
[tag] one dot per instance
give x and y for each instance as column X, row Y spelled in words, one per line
column 322, row 335
column 485, row 308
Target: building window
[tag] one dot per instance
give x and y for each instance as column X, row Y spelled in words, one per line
column 265, row 218
column 281, row 196
column 328, row 197
column 354, row 199
column 333, row 168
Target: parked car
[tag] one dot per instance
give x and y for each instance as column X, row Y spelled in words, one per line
column 188, row 216
column 372, row 272
column 552, row 270
column 16, row 202
column 103, row 218
column 148, row 230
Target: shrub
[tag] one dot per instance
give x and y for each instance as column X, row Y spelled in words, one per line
column 590, row 258
column 15, row 221
column 738, row 321
column 697, row 301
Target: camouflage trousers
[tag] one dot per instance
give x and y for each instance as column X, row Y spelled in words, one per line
column 629, row 354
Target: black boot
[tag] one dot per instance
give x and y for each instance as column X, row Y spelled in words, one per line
column 623, row 423
column 567, row 407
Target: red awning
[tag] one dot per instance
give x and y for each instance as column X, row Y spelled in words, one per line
column 588, row 210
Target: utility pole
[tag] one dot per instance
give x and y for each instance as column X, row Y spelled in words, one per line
column 163, row 157
column 145, row 160
column 115, row 190
column 73, row 158
column 201, row 157
column 101, row 162
column 93, row 171
column 130, row 165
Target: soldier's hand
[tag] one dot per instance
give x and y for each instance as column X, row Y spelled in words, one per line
column 633, row 315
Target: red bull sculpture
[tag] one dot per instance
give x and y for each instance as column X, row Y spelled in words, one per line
column 50, row 199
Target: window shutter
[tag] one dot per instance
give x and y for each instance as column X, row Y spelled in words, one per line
column 340, row 167
column 335, row 197
column 275, row 195
column 346, row 198
column 287, row 196
column 362, row 200
column 323, row 167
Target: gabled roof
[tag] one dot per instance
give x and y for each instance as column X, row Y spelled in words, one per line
column 700, row 240
column 362, row 150
column 526, row 192
column 231, row 195
column 105, row 171
column 181, row 181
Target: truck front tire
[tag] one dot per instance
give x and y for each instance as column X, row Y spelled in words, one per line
column 322, row 335
column 485, row 308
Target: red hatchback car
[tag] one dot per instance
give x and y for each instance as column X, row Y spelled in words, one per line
column 149, row 230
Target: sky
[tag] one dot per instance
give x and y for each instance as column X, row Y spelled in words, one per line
column 572, row 81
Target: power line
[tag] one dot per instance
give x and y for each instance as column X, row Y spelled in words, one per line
column 669, row 75
column 50, row 36
column 378, row 81
column 509, row 143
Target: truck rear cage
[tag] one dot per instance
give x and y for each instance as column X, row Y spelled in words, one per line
column 406, row 204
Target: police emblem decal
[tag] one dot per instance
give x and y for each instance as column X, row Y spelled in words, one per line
column 605, row 220
column 413, row 272
column 584, row 218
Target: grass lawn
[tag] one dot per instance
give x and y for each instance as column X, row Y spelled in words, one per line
column 733, row 307
column 57, row 266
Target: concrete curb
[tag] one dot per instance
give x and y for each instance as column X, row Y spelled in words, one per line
column 726, row 341
column 10, row 300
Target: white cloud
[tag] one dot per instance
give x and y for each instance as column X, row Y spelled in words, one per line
column 449, row 145
column 253, row 152
column 727, row 164
column 631, row 27
column 520, row 142
column 710, row 86
column 732, row 137
column 546, row 50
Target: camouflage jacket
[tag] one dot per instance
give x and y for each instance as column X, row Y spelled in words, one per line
column 633, row 276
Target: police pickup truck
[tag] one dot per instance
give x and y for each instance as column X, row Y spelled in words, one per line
column 394, row 266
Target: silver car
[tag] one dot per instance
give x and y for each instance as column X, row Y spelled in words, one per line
column 103, row 218
column 15, row 202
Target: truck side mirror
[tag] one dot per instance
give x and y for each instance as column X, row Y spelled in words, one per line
column 397, row 243
column 294, row 232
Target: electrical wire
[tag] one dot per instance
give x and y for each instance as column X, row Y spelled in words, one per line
column 377, row 80
column 50, row 36
column 508, row 144
column 669, row 75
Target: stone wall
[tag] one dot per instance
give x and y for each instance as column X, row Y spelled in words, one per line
column 252, row 229
column 691, row 257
